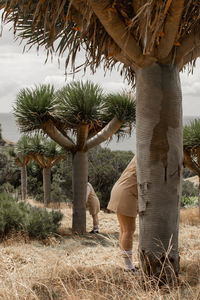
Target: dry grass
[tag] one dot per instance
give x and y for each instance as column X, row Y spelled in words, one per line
column 89, row 267
column 190, row 216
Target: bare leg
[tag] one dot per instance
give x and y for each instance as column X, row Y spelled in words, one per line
column 95, row 224
column 127, row 229
column 95, row 220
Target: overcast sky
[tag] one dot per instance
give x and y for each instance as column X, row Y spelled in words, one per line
column 19, row 70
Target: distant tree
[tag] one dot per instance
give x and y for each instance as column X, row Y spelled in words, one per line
column 21, row 155
column 46, row 153
column 191, row 146
column 77, row 117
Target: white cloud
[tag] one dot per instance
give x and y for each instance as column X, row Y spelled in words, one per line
column 19, row 70
column 57, row 80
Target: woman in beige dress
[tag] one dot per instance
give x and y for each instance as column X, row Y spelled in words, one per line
column 123, row 202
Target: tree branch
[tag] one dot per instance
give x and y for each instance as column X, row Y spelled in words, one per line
column 191, row 42
column 171, row 28
column 104, row 134
column 56, row 160
column 194, row 54
column 36, row 159
column 191, row 164
column 50, row 129
column 117, row 30
column 82, row 134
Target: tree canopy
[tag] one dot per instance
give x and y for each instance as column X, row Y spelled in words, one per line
column 134, row 33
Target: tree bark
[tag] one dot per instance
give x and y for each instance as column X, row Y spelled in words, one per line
column 159, row 168
column 23, row 182
column 47, row 185
column 79, row 183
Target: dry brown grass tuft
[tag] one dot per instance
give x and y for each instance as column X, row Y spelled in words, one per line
column 190, row 216
column 89, row 267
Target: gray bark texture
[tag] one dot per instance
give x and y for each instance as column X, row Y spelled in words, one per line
column 79, row 182
column 47, row 185
column 23, row 183
column 159, row 168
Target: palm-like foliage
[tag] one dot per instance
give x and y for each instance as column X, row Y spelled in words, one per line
column 123, row 106
column 41, row 146
column 191, row 135
column 157, row 31
column 34, row 106
column 79, row 110
column 79, row 103
column 22, row 151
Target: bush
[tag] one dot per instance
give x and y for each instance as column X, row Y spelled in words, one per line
column 11, row 216
column 37, row 222
column 43, row 223
column 189, row 189
column 189, row 201
column 7, row 188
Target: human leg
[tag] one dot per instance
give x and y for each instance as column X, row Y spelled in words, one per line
column 95, row 223
column 127, row 229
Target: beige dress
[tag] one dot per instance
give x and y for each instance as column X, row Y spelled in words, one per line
column 92, row 202
column 124, row 195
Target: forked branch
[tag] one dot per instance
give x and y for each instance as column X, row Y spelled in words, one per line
column 171, row 28
column 104, row 134
column 117, row 30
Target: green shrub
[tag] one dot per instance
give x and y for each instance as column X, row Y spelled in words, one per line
column 11, row 216
column 37, row 222
column 189, row 189
column 7, row 187
column 43, row 223
column 189, row 201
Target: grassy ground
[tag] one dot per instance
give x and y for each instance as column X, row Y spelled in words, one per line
column 89, row 267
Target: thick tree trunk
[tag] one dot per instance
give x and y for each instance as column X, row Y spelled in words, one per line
column 79, row 182
column 159, row 168
column 47, row 185
column 23, row 182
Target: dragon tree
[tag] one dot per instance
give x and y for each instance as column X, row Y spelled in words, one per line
column 21, row 156
column 46, row 153
column 152, row 41
column 78, row 117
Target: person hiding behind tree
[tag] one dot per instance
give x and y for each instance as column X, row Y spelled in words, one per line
column 93, row 205
column 124, row 201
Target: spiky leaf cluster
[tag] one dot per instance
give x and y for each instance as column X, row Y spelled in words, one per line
column 34, row 106
column 45, row 146
column 123, row 106
column 79, row 103
column 191, row 135
column 23, row 147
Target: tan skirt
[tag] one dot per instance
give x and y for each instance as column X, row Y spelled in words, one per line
column 123, row 200
column 93, row 204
